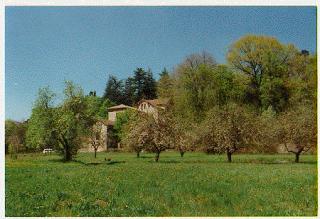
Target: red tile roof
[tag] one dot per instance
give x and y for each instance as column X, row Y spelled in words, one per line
column 119, row 107
column 156, row 102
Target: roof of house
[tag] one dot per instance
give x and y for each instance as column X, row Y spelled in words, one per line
column 119, row 107
column 106, row 122
column 156, row 102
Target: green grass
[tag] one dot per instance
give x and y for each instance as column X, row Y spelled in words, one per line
column 196, row 185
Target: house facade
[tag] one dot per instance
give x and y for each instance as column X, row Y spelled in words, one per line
column 152, row 106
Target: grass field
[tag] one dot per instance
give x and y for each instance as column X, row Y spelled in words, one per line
column 196, row 185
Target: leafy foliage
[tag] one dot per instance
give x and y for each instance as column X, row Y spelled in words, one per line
column 297, row 130
column 135, row 133
column 40, row 132
column 122, row 119
column 183, row 136
column 199, row 90
column 151, row 133
column 61, row 127
column 165, row 85
column 263, row 58
column 228, row 129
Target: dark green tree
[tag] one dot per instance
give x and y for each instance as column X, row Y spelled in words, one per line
column 274, row 93
column 139, row 80
column 129, row 91
column 150, row 86
column 145, row 85
column 114, row 90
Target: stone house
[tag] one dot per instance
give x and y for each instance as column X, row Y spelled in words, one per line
column 152, row 106
column 147, row 106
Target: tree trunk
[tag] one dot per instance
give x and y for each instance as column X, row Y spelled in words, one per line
column 66, row 148
column 157, row 157
column 67, row 156
column 229, row 156
column 297, row 157
column 95, row 153
column 182, row 153
column 138, row 154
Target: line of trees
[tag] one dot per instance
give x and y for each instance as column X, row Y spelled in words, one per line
column 265, row 96
column 141, row 86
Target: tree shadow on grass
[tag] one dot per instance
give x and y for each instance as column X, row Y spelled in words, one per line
column 279, row 162
column 85, row 163
column 267, row 162
column 308, row 162
column 114, row 162
column 164, row 161
column 98, row 163
column 144, row 157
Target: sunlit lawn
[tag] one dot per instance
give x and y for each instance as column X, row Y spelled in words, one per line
column 195, row 185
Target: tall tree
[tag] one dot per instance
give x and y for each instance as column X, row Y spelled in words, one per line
column 139, row 80
column 129, row 91
column 261, row 58
column 113, row 90
column 197, row 91
column 60, row 126
column 71, row 121
column 150, row 86
column 193, row 88
column 145, row 85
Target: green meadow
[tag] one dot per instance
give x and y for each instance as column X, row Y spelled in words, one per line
column 119, row 184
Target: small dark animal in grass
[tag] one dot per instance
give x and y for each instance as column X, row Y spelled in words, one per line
column 105, row 159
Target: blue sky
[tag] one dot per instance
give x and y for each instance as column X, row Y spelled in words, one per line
column 46, row 45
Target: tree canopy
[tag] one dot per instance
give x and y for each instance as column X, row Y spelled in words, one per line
column 63, row 126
